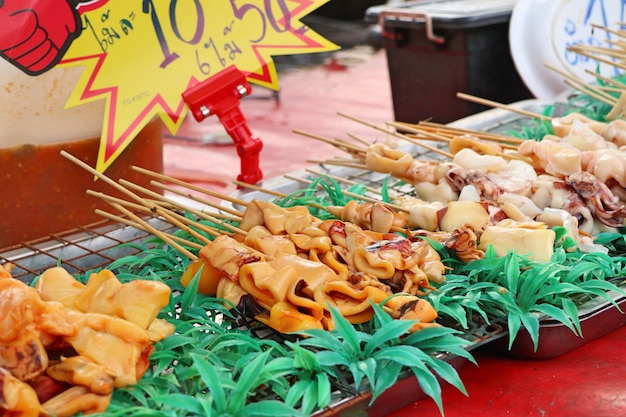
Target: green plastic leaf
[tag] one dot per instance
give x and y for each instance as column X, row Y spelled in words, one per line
column 387, row 376
column 212, row 380
column 531, row 324
column 391, row 332
column 180, row 401
column 268, row 408
column 430, row 385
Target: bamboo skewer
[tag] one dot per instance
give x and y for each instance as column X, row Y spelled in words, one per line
column 154, row 231
column 358, row 139
column 172, row 217
column 131, row 223
column 436, row 137
column 176, row 219
column 490, row 103
column 341, row 179
column 582, row 51
column 603, row 50
column 341, row 163
column 348, row 147
column 398, row 135
column 163, row 177
column 354, row 195
column 274, row 193
column 196, row 212
column 585, row 87
column 459, row 131
column 607, row 29
column 173, row 190
column 132, row 195
column 618, row 86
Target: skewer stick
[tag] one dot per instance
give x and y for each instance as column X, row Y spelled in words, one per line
column 398, row 135
column 338, row 163
column 130, row 223
column 613, row 31
column 433, row 136
column 359, row 139
column 166, row 178
column 102, row 177
column 354, row 195
column 335, row 143
column 603, row 50
column 196, row 212
column 258, row 188
column 418, row 131
column 607, row 80
column 135, row 197
column 490, row 103
column 598, row 95
column 172, row 217
column 199, row 200
column 483, row 135
column 583, row 52
column 275, row 193
column 154, row 231
column 575, row 82
column 106, row 197
column 176, row 219
column 341, row 179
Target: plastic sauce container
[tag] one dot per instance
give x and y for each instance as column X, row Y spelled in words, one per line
column 41, row 192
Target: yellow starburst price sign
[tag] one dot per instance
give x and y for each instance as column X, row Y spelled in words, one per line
column 140, row 56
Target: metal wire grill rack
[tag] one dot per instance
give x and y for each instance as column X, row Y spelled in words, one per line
column 80, row 250
column 96, row 246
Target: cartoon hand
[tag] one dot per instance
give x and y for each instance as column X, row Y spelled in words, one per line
column 35, row 34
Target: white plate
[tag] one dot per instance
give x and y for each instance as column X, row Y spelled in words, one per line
column 541, row 31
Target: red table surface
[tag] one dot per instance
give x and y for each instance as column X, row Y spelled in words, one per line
column 586, row 382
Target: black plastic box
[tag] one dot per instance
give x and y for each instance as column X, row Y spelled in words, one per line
column 438, row 48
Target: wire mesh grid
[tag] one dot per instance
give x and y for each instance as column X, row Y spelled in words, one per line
column 95, row 246
column 79, row 250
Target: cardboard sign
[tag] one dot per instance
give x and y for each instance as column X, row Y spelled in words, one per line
column 140, row 56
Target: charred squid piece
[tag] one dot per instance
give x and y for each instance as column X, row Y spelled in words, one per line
column 336, row 230
column 242, row 305
column 278, row 220
column 463, row 242
column 474, row 143
column 47, row 387
column 25, row 356
column 599, row 197
column 78, row 370
column 285, row 317
column 408, row 307
column 376, row 217
column 17, row 398
column 228, row 255
column 76, row 400
column 615, row 132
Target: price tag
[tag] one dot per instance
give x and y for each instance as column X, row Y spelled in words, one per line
column 141, row 55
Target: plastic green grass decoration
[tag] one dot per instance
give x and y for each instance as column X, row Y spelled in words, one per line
column 379, row 355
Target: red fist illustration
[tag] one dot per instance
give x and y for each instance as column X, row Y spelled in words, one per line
column 34, row 34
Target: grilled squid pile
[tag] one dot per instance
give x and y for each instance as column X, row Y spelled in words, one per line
column 64, row 345
column 294, row 266
column 574, row 178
